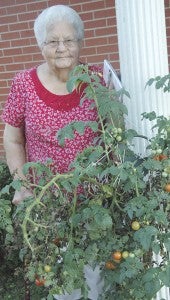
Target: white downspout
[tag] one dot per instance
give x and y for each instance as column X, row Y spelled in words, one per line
column 143, row 54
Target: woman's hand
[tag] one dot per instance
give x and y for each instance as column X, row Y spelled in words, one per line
column 21, row 195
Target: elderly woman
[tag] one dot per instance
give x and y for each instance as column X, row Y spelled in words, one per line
column 39, row 104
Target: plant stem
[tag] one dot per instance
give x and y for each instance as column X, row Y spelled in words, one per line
column 36, row 202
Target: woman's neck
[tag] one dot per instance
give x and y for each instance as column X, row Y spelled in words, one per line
column 53, row 80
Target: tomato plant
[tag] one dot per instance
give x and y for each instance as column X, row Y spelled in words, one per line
column 110, row 199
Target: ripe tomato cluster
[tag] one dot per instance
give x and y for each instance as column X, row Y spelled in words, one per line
column 116, row 259
column 118, row 255
column 158, row 154
column 40, row 281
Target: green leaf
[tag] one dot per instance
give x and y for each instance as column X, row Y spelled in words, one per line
column 22, row 253
column 151, row 116
column 66, row 132
column 16, row 184
column 167, row 244
column 150, row 81
column 164, row 276
column 145, row 235
column 9, row 229
column 6, row 189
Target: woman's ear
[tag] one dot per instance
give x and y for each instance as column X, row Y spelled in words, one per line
column 42, row 50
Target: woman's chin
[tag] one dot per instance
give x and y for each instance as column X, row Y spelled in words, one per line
column 64, row 63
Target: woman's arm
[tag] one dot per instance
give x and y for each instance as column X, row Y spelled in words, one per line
column 14, row 145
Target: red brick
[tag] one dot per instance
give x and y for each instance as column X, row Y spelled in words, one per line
column 19, row 8
column 111, row 21
column 27, row 16
column 19, row 26
column 8, row 36
column 110, row 3
column 37, row 6
column 30, row 49
column 96, row 41
column 2, row 68
column 12, row 51
column 4, row 28
column 20, row 43
column 86, row 16
column 99, row 14
column 102, row 31
column 107, row 49
column 8, row 19
column 14, row 67
column 4, row 44
column 89, row 33
column 4, row 90
column 6, row 3
column 88, row 51
column 23, row 58
column 37, row 57
column 95, row 23
column 93, row 6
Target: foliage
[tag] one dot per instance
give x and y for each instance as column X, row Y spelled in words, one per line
column 161, row 82
column 83, row 216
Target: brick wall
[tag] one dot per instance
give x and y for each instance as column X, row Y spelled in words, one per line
column 18, row 49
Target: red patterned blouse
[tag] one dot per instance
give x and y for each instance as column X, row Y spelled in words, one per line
column 42, row 114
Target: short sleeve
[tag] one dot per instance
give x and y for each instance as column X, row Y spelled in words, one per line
column 13, row 112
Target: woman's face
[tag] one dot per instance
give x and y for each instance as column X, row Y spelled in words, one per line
column 61, row 48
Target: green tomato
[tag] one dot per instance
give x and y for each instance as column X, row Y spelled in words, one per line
column 125, row 254
column 119, row 130
column 159, row 151
column 135, row 225
column 118, row 138
column 132, row 255
column 47, row 268
column 164, row 174
column 167, row 170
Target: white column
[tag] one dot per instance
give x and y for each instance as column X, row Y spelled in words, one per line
column 143, row 54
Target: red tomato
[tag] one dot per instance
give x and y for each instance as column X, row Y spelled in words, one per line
column 39, row 281
column 167, row 187
column 109, row 265
column 117, row 255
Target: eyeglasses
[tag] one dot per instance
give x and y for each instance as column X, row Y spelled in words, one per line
column 66, row 43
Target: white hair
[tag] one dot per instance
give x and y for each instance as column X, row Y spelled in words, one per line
column 53, row 14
